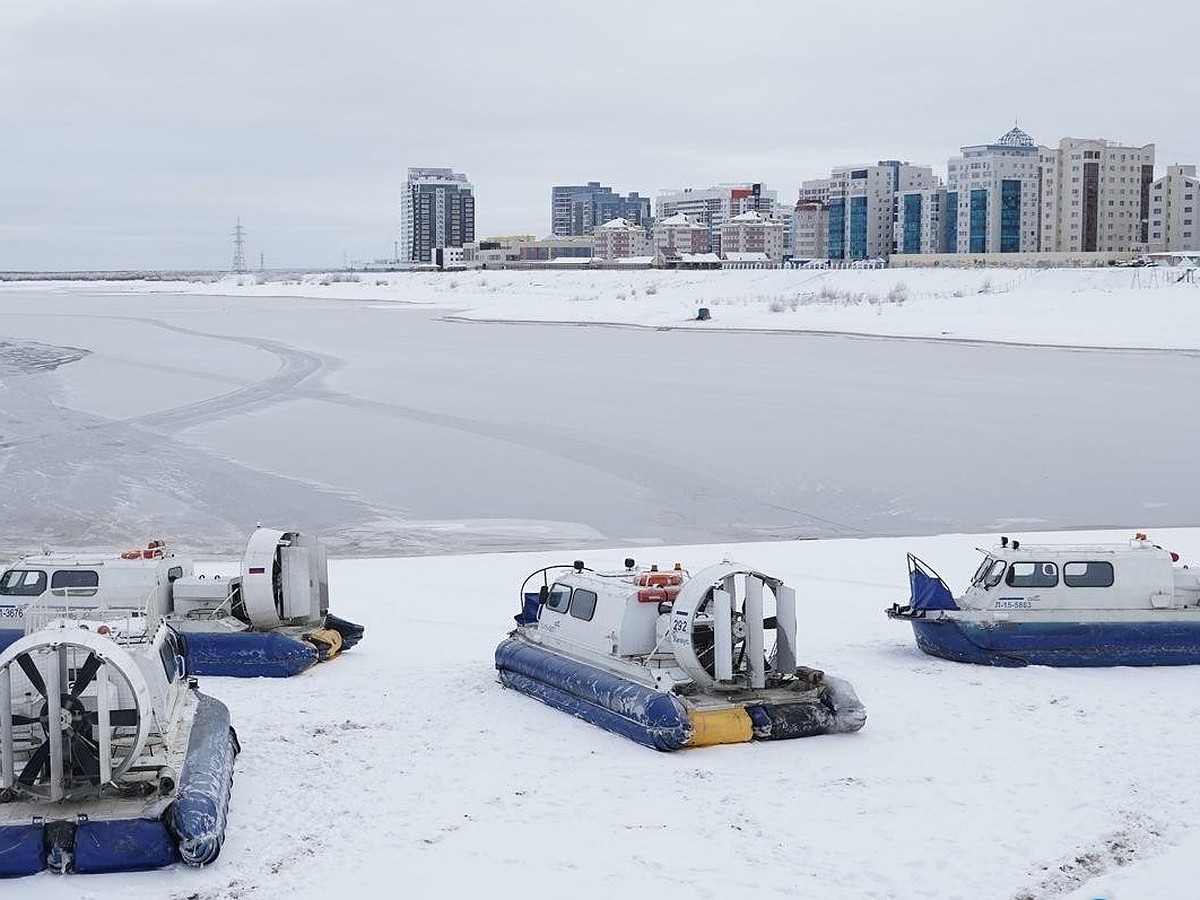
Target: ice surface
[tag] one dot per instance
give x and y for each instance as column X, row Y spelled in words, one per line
column 360, row 412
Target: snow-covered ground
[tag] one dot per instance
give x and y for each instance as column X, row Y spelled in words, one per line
column 1111, row 307
column 404, row 768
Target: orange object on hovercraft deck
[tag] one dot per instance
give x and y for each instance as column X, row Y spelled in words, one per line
column 154, row 550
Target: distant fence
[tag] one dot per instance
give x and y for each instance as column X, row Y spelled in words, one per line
column 1009, row 260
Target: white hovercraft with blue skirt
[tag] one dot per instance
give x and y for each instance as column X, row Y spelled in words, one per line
column 272, row 619
column 1129, row 604
column 671, row 660
column 110, row 759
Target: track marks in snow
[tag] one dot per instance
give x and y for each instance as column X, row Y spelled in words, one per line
column 234, row 890
column 1135, row 839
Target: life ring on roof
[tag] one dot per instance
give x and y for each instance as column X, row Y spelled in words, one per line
column 154, row 550
column 658, row 579
column 662, row 594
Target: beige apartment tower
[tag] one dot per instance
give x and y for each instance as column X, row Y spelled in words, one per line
column 1095, row 197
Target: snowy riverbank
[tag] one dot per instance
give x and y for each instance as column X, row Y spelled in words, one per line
column 1114, row 307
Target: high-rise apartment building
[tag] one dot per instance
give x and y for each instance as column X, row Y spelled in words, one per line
column 861, row 205
column 1095, row 196
column 437, row 211
column 712, row 207
column 991, row 200
column 920, row 221
column 786, row 216
column 810, row 230
column 578, row 209
column 1174, row 200
column 815, row 191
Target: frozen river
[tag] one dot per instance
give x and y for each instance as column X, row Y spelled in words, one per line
column 392, row 431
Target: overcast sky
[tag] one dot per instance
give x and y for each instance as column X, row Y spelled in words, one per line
column 135, row 132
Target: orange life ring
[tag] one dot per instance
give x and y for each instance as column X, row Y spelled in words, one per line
column 658, row 594
column 154, row 550
column 658, row 579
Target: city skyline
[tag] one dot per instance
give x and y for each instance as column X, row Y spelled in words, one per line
column 137, row 135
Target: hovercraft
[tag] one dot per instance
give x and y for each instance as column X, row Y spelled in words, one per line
column 671, row 660
column 1129, row 604
column 110, row 759
column 271, row 620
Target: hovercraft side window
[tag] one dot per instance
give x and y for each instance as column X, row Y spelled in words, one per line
column 74, row 582
column 1088, row 574
column 559, row 598
column 583, row 604
column 23, row 583
column 1032, row 575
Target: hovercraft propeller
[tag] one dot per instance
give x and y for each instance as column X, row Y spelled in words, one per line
column 719, row 628
column 69, row 720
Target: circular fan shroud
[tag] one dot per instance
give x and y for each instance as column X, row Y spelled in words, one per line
column 74, row 714
column 693, row 631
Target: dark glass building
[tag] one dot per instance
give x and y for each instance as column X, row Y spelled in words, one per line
column 577, row 209
column 436, row 211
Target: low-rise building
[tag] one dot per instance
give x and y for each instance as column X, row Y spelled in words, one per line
column 552, row 248
column 680, row 233
column 737, row 260
column 752, row 232
column 448, row 258
column 619, row 238
column 495, row 253
column 712, row 207
column 672, row 259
